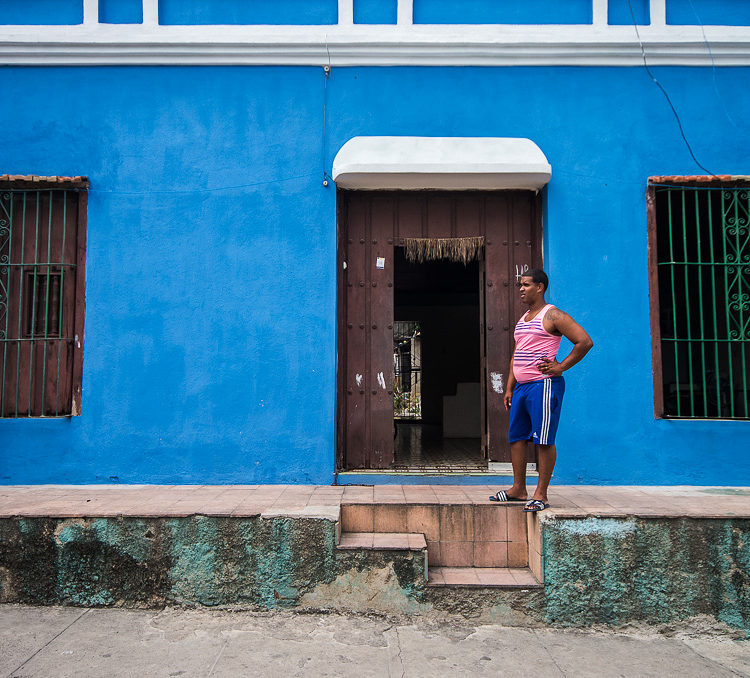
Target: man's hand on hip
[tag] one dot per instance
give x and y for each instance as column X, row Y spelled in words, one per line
column 550, row 367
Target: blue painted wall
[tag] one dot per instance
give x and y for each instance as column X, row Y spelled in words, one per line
column 304, row 12
column 502, row 12
column 210, row 323
column 195, row 12
column 625, row 12
column 709, row 12
column 34, row 12
column 375, row 11
column 121, row 11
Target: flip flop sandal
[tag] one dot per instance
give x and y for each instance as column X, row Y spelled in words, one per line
column 503, row 496
column 535, row 505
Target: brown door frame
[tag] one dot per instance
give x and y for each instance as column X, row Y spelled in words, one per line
column 513, row 243
column 510, row 221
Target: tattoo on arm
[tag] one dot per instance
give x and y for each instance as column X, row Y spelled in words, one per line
column 555, row 315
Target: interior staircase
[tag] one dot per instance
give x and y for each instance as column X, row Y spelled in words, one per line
column 464, row 544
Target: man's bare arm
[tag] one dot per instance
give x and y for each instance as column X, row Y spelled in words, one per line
column 561, row 323
column 510, row 386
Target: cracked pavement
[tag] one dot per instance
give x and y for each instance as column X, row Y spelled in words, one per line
column 65, row 641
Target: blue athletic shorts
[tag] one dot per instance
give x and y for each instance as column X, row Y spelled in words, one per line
column 535, row 410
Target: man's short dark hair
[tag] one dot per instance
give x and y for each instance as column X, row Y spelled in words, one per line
column 537, row 276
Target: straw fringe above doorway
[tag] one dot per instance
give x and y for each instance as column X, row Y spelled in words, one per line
column 463, row 250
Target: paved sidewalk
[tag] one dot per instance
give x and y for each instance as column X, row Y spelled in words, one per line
column 71, row 501
column 58, row 642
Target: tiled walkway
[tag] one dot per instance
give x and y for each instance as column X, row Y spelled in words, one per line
column 323, row 500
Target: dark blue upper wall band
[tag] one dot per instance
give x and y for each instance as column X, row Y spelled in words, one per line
column 41, row 12
column 121, row 11
column 708, row 12
column 242, row 12
column 375, row 11
column 325, row 12
column 619, row 12
column 502, row 12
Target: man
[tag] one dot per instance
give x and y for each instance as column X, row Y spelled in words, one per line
column 535, row 386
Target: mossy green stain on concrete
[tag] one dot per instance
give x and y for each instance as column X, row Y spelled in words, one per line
column 266, row 563
column 610, row 527
column 609, row 570
column 299, row 554
column 734, row 576
column 276, row 566
column 192, row 551
column 103, row 561
column 614, row 571
column 263, row 562
column 27, row 558
column 27, row 526
column 133, row 536
column 90, row 597
column 568, row 572
column 69, row 533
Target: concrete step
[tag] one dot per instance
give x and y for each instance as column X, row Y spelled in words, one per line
column 387, row 541
column 483, row 577
column 458, row 534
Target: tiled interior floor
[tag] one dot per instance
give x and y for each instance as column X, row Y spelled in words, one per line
column 421, row 447
column 248, row 500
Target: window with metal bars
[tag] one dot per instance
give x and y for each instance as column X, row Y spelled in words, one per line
column 407, row 366
column 699, row 262
column 42, row 262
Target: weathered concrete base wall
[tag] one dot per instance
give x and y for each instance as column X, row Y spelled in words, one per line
column 596, row 570
column 614, row 571
column 262, row 563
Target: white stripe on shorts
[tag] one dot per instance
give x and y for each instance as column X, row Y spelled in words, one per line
column 546, row 411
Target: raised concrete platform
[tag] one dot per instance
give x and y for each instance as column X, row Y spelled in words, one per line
column 603, row 554
column 253, row 500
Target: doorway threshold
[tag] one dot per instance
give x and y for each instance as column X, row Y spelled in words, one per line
column 421, row 477
column 493, row 468
column 504, row 467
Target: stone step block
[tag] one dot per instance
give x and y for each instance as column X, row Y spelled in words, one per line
column 457, row 535
column 483, row 577
column 387, row 541
column 439, row 522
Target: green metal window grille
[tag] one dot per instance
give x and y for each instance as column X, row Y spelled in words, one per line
column 38, row 264
column 703, row 261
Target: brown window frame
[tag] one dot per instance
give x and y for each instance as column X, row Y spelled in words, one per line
column 76, row 188
column 654, row 182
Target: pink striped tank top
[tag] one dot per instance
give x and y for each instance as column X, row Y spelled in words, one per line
column 532, row 343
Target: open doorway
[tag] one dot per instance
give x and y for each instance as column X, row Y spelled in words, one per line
column 456, row 319
column 436, row 359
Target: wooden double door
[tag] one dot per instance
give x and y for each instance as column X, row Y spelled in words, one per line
column 370, row 225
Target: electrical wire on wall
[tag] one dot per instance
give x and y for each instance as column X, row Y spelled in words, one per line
column 188, row 191
column 713, row 67
column 664, row 91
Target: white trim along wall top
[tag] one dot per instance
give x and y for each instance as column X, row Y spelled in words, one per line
column 403, row 43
